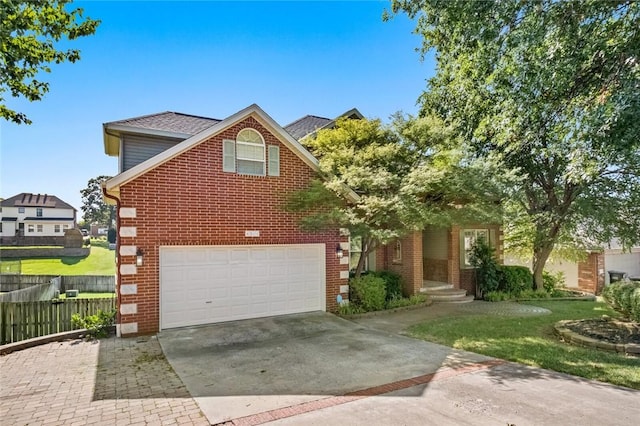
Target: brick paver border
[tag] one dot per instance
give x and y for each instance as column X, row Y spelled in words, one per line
column 332, row 401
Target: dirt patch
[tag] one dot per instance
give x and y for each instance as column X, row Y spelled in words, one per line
column 607, row 330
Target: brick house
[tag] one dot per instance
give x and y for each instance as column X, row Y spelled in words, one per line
column 203, row 237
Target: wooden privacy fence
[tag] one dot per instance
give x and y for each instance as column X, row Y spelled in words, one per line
column 82, row 283
column 25, row 320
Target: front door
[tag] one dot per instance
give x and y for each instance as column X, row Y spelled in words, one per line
column 21, row 229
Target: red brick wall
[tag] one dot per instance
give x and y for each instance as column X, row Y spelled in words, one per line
column 410, row 266
column 190, row 201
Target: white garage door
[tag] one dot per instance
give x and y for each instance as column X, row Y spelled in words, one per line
column 206, row 284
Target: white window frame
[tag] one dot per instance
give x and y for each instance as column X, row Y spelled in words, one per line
column 39, row 228
column 56, row 228
column 467, row 242
column 355, row 249
column 38, row 211
column 248, row 143
column 31, row 228
column 397, row 252
column 20, row 209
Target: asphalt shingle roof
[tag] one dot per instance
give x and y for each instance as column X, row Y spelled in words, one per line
column 306, row 125
column 26, row 199
column 171, row 122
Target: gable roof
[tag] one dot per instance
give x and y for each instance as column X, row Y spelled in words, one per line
column 112, row 186
column 306, row 125
column 168, row 124
column 26, row 199
column 310, row 124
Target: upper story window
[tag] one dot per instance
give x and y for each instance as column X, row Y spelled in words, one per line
column 39, row 212
column 247, row 155
column 20, row 209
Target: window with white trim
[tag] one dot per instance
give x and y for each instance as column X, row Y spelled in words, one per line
column 355, row 250
column 247, row 155
column 467, row 240
column 56, row 228
column 397, row 252
column 30, row 228
column 20, row 209
column 65, row 227
column 39, row 228
column 39, row 212
column 250, row 153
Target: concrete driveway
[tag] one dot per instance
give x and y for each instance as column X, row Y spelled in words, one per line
column 320, row 369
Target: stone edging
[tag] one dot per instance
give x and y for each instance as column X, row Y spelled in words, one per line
column 386, row 311
column 579, row 340
column 588, row 298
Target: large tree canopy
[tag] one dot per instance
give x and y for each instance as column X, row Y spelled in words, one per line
column 381, row 181
column 551, row 90
column 94, row 209
column 28, row 33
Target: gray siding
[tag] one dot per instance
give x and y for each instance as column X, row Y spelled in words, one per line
column 136, row 149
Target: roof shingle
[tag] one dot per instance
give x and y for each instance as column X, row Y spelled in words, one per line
column 170, row 121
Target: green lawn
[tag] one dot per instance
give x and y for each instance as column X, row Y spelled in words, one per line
column 101, row 261
column 530, row 341
column 90, row 296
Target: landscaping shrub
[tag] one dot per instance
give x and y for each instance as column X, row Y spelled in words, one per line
column 624, row 297
column 349, row 309
column 111, row 235
column 393, row 284
column 406, row 301
column 515, row 279
column 368, row 292
column 552, row 281
column 97, row 324
column 487, row 267
column 534, row 294
column 497, row 296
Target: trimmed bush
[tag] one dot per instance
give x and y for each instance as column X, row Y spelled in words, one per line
column 624, row 297
column 368, row 292
column 393, row 284
column 515, row 279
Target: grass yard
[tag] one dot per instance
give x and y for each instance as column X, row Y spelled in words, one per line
column 531, row 341
column 101, row 261
column 90, row 296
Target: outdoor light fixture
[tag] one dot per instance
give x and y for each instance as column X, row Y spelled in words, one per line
column 339, row 252
column 139, row 257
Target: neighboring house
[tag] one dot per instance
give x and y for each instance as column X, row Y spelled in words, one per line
column 203, row 237
column 35, row 219
column 592, row 273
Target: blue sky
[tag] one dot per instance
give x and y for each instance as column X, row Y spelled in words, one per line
column 211, row 59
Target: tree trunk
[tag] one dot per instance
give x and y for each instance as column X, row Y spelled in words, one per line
column 367, row 247
column 541, row 254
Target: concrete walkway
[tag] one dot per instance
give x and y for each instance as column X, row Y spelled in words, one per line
column 110, row 382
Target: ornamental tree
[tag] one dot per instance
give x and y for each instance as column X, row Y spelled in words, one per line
column 384, row 181
column 549, row 90
column 29, row 31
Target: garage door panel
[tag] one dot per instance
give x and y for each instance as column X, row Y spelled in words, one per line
column 200, row 285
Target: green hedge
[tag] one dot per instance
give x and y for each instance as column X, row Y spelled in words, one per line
column 514, row 279
column 393, row 284
column 368, row 292
column 624, row 297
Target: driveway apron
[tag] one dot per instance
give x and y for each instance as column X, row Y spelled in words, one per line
column 243, row 368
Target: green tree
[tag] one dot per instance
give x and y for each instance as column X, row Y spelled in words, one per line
column 94, row 209
column 551, row 90
column 382, row 182
column 29, row 31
